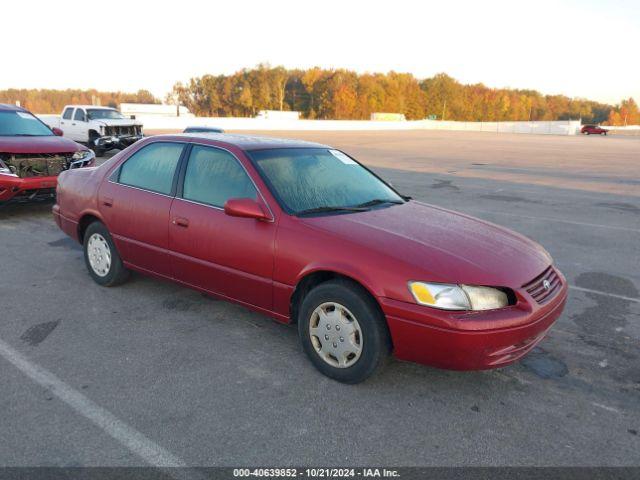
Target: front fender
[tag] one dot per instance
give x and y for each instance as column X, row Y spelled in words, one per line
column 346, row 270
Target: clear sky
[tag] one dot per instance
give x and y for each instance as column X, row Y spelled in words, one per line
column 581, row 48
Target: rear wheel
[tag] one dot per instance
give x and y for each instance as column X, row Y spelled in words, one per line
column 101, row 257
column 343, row 332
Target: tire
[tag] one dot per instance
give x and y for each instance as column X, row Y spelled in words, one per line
column 98, row 243
column 91, row 144
column 586, row 133
column 360, row 322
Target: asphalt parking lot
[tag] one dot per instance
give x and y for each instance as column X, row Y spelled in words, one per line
column 95, row 376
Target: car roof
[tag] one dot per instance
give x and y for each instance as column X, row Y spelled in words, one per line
column 7, row 107
column 249, row 142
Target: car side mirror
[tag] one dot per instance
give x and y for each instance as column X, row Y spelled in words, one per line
column 246, row 208
column 56, row 131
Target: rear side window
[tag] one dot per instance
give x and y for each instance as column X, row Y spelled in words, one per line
column 67, row 114
column 153, row 167
column 214, row 176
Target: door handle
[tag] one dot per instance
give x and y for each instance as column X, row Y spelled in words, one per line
column 73, row 124
column 107, row 202
column 181, row 222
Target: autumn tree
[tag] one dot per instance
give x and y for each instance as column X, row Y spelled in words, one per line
column 52, row 101
column 344, row 94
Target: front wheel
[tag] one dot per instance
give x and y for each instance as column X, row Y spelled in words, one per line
column 343, row 332
column 101, row 257
column 99, row 151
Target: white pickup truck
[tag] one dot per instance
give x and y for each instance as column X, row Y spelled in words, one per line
column 100, row 128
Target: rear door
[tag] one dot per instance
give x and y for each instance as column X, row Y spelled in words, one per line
column 135, row 203
column 227, row 255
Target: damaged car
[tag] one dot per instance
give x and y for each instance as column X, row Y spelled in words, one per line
column 32, row 155
column 100, row 128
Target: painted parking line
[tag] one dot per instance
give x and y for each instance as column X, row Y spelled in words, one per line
column 557, row 220
column 606, row 294
column 129, row 437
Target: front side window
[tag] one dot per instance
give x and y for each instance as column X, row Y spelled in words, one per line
column 22, row 124
column 152, row 167
column 79, row 115
column 214, row 176
column 308, row 179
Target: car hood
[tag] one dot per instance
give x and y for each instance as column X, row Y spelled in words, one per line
column 47, row 144
column 444, row 245
column 125, row 122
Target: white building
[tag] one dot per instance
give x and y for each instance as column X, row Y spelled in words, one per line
column 152, row 109
column 278, row 115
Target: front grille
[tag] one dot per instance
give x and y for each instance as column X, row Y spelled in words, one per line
column 117, row 130
column 537, row 290
column 35, row 164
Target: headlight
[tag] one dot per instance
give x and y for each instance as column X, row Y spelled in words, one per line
column 82, row 158
column 458, row 297
column 83, row 155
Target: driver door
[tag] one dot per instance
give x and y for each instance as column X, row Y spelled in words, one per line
column 230, row 256
column 77, row 126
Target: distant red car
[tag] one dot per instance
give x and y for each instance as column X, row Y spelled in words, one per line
column 303, row 233
column 593, row 130
column 32, row 155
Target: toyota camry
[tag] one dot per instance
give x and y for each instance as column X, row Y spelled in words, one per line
column 305, row 234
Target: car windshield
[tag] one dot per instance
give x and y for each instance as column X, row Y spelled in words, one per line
column 22, row 124
column 320, row 180
column 104, row 114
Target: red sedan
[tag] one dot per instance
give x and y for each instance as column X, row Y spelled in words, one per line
column 303, row 233
column 32, row 155
column 593, row 130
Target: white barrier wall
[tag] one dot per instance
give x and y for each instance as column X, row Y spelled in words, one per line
column 564, row 127
column 628, row 130
column 171, row 123
column 560, row 127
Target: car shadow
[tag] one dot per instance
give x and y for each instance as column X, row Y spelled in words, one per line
column 23, row 209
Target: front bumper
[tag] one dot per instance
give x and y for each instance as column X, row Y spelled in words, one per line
column 31, row 188
column 15, row 188
column 471, row 340
column 115, row 141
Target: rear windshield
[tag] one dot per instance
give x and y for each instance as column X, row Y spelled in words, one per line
column 22, row 124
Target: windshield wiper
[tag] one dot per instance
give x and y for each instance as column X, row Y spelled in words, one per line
column 377, row 201
column 327, row 208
